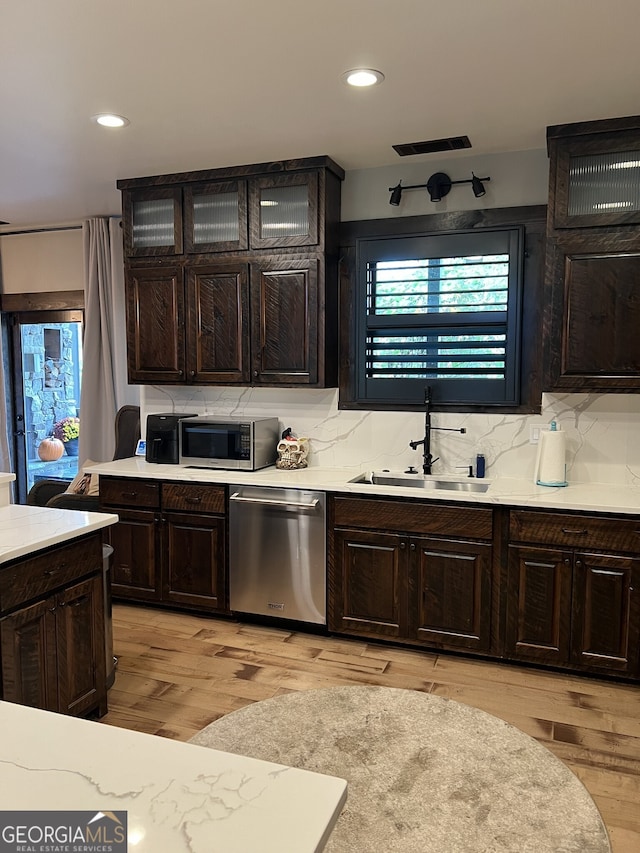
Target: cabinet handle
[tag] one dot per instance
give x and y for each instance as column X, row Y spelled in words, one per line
column 578, row 562
column 403, row 545
column 567, row 561
column 193, row 500
column 255, row 372
column 192, row 373
column 412, row 547
column 128, row 494
column 53, row 609
column 574, row 532
column 50, row 572
column 79, row 601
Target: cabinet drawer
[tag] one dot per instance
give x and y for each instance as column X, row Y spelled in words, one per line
column 193, row 497
column 37, row 576
column 575, row 531
column 123, row 491
column 467, row 521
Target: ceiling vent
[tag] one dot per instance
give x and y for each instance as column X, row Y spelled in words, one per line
column 433, row 146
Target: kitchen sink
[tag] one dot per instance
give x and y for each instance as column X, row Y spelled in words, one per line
column 412, row 481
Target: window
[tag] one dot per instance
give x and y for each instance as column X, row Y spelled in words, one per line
column 440, row 310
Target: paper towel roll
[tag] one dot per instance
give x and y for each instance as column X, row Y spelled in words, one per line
column 551, row 466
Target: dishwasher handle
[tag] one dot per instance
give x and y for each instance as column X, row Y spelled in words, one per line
column 236, row 496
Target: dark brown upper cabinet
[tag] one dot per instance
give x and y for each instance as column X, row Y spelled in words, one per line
column 215, row 217
column 218, row 323
column 249, row 295
column 155, row 310
column 595, row 173
column 152, row 220
column 285, row 317
column 283, row 211
column 592, row 304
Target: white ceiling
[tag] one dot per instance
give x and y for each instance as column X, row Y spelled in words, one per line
column 209, row 83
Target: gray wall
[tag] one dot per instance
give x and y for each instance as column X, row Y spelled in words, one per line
column 517, row 178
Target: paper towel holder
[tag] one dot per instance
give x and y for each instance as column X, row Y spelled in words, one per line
column 551, row 467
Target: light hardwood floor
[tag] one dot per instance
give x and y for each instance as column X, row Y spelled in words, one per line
column 178, row 672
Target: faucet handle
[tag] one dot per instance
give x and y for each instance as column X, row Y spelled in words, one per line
column 469, row 469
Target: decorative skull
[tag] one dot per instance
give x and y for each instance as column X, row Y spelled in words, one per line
column 292, row 453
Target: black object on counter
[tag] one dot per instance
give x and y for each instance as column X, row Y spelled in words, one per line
column 480, row 465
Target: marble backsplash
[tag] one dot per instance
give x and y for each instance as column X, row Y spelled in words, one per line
column 603, row 430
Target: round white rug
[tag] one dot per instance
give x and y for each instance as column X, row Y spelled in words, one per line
column 425, row 774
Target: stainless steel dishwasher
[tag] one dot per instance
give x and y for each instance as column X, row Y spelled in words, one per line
column 277, row 553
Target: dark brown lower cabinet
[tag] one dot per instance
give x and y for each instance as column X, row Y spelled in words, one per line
column 135, row 554
column 370, row 582
column 172, row 549
column 450, row 593
column 572, row 607
column 194, row 551
column 432, row 590
column 53, row 648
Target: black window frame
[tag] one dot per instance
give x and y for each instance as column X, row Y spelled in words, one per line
column 487, row 241
column 530, row 224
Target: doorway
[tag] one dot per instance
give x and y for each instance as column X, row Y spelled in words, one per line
column 46, row 350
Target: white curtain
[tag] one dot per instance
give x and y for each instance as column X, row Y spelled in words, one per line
column 125, row 394
column 5, row 462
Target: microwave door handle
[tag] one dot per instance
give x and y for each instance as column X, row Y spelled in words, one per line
column 236, row 496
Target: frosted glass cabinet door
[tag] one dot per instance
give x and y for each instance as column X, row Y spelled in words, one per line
column 283, row 211
column 153, row 221
column 597, row 181
column 215, row 217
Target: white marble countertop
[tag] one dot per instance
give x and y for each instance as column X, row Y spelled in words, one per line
column 5, row 488
column 25, row 529
column 588, row 497
column 178, row 796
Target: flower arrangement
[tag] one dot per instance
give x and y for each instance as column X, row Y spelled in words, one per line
column 66, row 429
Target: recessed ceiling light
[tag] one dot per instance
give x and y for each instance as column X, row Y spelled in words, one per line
column 111, row 120
column 363, row 77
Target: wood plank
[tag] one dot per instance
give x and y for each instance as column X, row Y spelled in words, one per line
column 177, row 672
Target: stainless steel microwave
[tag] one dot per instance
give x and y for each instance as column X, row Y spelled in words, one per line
column 244, row 443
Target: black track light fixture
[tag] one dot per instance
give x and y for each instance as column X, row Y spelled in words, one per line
column 438, row 186
column 396, row 194
column 477, row 186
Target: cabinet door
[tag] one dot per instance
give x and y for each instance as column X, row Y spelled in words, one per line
column 135, row 554
column 155, row 324
column 81, row 648
column 194, row 552
column 606, row 613
column 218, row 323
column 29, row 656
column 284, row 321
column 595, row 178
column 368, row 583
column 593, row 313
column 539, row 605
column 152, row 221
column 450, row 593
column 215, row 217
column 283, row 211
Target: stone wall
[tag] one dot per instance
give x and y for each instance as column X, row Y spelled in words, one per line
column 49, row 376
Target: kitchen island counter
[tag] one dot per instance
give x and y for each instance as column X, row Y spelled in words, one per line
column 27, row 529
column 178, row 796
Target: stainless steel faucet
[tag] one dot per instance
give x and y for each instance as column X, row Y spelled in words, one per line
column 427, row 457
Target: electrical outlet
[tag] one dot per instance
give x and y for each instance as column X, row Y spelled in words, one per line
column 534, row 433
